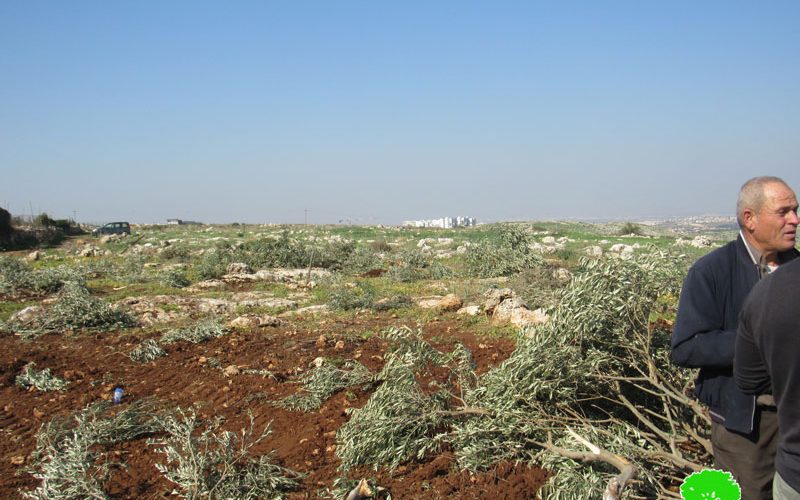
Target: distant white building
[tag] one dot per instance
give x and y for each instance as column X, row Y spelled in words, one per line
column 181, row 222
column 444, row 222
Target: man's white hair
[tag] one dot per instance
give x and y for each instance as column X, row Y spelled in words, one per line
column 752, row 195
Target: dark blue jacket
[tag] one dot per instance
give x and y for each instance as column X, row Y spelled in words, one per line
column 704, row 334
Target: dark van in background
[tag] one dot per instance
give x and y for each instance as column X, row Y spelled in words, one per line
column 113, row 228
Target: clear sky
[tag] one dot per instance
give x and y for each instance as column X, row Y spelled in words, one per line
column 384, row 111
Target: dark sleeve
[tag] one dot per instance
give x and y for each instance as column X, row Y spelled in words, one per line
column 698, row 339
column 749, row 369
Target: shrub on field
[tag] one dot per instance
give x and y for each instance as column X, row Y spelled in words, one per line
column 630, row 228
column 45, row 236
column 401, row 421
column 289, row 252
column 219, row 465
column 347, row 296
column 265, row 252
column 601, row 367
column 42, row 380
column 568, row 256
column 438, row 271
column 97, row 268
column 360, row 261
column 66, row 226
column 175, row 278
column 133, row 269
column 199, row 332
column 409, row 266
column 18, row 278
column 283, row 251
column 509, row 254
column 177, row 252
column 380, row 246
column 70, row 458
column 393, row 302
column 414, row 266
column 537, row 286
column 213, row 264
column 15, row 274
column 147, row 351
column 332, row 255
column 322, row 382
column 75, row 308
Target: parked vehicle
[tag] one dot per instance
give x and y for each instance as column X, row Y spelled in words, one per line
column 113, row 228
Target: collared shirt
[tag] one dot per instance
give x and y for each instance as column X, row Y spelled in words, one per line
column 763, row 400
column 758, row 259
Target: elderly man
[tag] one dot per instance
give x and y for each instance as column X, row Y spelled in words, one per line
column 767, row 360
column 743, row 430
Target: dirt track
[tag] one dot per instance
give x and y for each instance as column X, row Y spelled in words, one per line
column 304, row 442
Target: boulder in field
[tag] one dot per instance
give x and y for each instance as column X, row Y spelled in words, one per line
column 469, row 310
column 26, row 316
column 594, row 251
column 238, row 268
column 428, row 302
column 562, row 274
column 494, row 296
column 254, row 321
column 450, row 302
column 514, row 311
column 621, row 250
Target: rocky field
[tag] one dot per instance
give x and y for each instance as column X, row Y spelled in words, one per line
column 255, row 361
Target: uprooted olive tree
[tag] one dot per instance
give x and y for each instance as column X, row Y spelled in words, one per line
column 590, row 395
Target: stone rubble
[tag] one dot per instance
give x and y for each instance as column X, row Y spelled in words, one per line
column 700, row 241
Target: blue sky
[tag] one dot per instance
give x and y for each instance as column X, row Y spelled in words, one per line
column 384, row 111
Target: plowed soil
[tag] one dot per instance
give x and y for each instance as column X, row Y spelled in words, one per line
column 94, row 363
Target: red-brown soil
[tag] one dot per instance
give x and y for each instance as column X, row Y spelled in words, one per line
column 94, row 363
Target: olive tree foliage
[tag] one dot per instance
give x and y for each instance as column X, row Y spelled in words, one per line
column 402, row 419
column 18, row 278
column 218, row 464
column 73, row 308
column 74, row 455
column 71, row 459
column 591, row 394
column 414, row 265
column 322, row 382
column 598, row 372
column 283, row 250
column 42, row 380
column 511, row 253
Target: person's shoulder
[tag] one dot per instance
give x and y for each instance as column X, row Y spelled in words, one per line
column 789, row 271
column 784, row 279
column 719, row 258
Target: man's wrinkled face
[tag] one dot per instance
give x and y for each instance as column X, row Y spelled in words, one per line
column 774, row 225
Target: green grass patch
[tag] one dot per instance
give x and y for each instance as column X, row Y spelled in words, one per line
column 482, row 326
column 8, row 308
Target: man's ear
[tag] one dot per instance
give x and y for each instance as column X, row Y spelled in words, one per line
column 749, row 219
